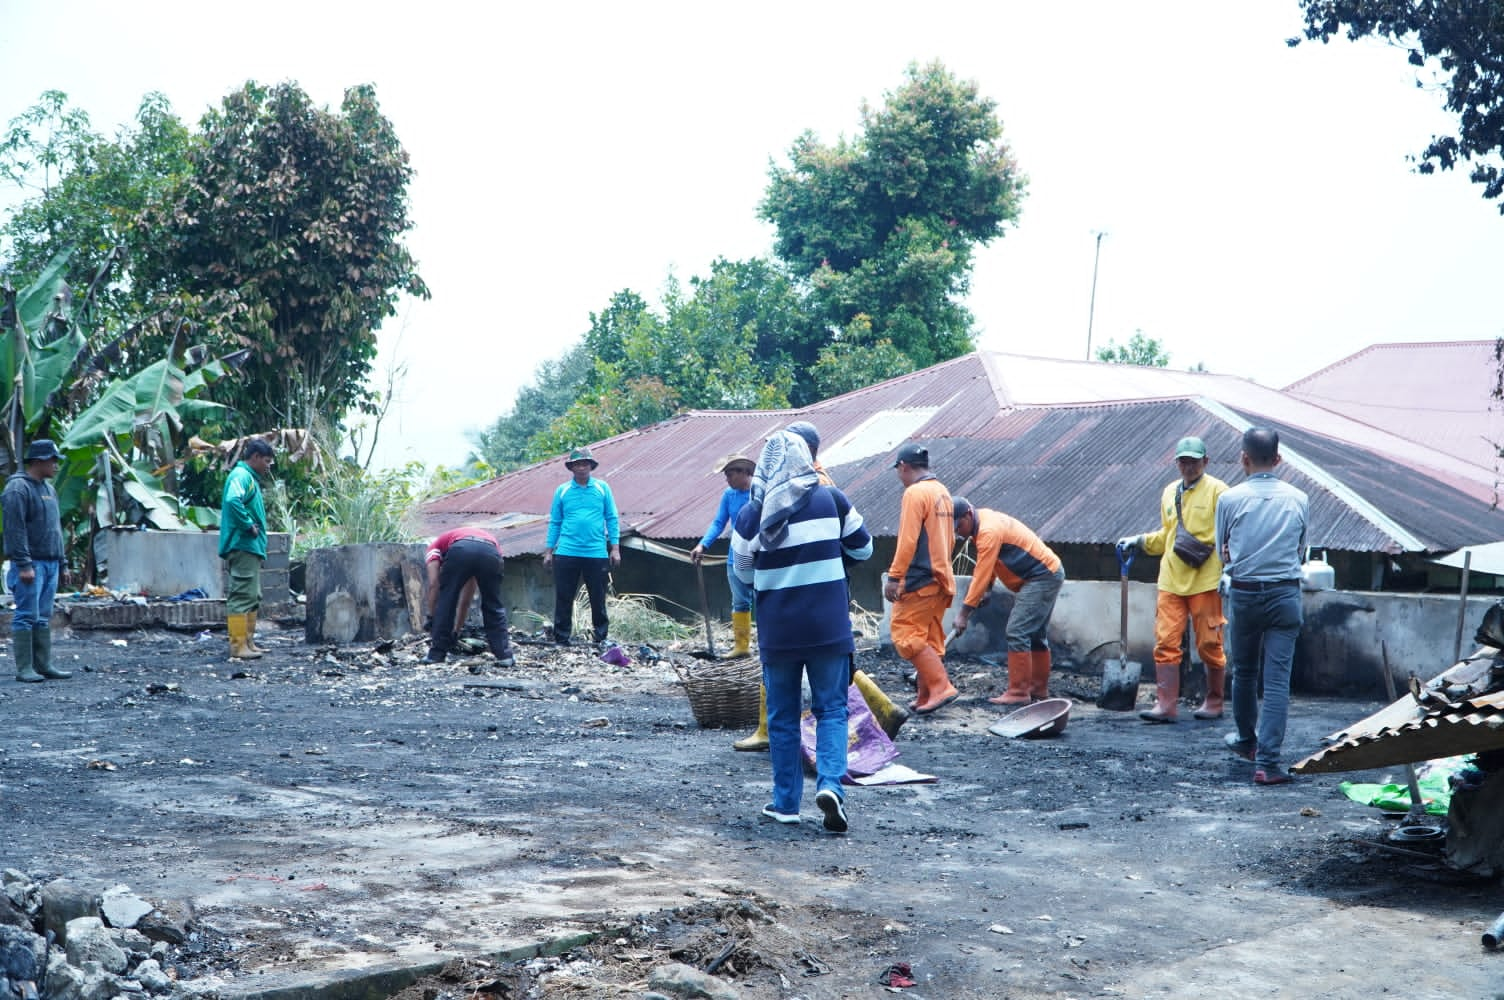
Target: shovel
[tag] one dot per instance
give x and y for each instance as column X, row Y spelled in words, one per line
column 1120, row 677
column 705, row 612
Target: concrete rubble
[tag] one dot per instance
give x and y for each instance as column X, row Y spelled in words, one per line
column 62, row 941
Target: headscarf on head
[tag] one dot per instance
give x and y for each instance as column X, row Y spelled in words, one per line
column 780, row 486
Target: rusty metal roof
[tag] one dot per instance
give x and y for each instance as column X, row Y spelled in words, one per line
column 1078, row 450
column 1440, row 394
column 1441, row 719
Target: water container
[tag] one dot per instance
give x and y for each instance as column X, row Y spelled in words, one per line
column 1315, row 574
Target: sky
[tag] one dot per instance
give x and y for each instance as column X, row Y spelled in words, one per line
column 1261, row 212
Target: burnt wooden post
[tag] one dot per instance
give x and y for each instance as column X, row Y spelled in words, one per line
column 360, row 593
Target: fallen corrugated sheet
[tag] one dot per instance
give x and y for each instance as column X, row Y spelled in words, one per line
column 1459, row 712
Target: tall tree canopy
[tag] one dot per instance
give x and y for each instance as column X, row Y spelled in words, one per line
column 873, row 252
column 84, row 193
column 1462, row 41
column 290, row 227
column 883, row 227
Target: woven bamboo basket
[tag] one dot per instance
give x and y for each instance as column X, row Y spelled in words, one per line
column 723, row 694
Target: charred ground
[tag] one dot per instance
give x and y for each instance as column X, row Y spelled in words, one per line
column 326, row 810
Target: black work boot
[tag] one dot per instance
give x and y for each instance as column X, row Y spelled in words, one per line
column 25, row 671
column 41, row 652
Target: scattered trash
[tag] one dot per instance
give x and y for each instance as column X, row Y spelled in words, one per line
column 1309, row 811
column 119, row 642
column 1073, row 826
column 899, row 974
column 196, row 594
column 616, row 656
column 599, row 722
column 1000, row 929
column 101, row 765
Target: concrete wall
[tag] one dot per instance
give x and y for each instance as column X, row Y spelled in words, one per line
column 1338, row 651
column 167, row 563
column 1339, row 647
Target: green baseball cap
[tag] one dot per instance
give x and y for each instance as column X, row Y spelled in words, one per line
column 1190, row 447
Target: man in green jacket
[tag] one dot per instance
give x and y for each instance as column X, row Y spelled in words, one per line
column 242, row 545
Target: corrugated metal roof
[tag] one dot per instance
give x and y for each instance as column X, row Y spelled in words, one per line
column 1079, row 450
column 1440, row 394
column 1437, row 721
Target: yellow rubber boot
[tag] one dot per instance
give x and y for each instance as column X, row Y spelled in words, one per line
column 759, row 740
column 250, row 632
column 239, row 647
column 888, row 714
column 741, row 630
column 1039, row 678
column 1020, row 679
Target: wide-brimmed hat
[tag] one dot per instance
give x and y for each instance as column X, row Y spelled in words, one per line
column 731, row 461
column 41, row 450
column 580, row 455
column 1190, row 447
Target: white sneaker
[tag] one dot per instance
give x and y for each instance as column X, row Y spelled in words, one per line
column 776, row 816
column 835, row 815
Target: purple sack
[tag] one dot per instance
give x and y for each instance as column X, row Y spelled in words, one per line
column 868, row 748
column 616, row 656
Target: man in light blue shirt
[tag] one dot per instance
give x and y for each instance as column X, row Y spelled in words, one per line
column 1261, row 535
column 583, row 543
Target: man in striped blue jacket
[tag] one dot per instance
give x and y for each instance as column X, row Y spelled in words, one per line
column 792, row 542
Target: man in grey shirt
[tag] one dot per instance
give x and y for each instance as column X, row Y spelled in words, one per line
column 1261, row 534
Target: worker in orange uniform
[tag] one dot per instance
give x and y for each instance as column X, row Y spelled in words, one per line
column 1010, row 553
column 920, row 584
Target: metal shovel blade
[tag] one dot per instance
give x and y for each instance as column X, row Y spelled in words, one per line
column 1120, row 676
column 1120, row 679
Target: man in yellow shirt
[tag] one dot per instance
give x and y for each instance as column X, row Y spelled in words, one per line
column 1189, row 572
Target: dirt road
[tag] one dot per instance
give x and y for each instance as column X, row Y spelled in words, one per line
column 331, row 811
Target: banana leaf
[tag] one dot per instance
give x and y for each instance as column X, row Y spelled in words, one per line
column 153, row 393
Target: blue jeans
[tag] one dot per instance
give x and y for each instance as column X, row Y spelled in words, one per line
column 741, row 593
column 1262, row 630
column 34, row 599
column 828, row 679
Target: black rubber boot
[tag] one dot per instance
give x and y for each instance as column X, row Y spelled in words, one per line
column 25, row 671
column 41, row 655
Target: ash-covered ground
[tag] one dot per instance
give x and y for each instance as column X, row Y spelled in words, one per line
column 324, row 810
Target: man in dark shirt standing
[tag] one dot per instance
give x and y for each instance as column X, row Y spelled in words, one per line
column 1261, row 535
column 34, row 546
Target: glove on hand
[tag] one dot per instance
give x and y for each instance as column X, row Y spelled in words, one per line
column 1127, row 544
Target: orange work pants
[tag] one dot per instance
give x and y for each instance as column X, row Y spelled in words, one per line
column 915, row 623
column 1205, row 612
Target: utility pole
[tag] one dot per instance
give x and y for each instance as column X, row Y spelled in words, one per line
column 1091, row 313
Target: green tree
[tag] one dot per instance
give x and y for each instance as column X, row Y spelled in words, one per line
column 885, row 225
column 1462, row 43
column 556, row 384
column 84, row 194
column 290, row 230
column 1140, row 350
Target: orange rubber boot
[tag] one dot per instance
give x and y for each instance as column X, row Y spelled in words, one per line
column 934, row 683
column 1020, row 679
column 1039, row 680
column 1216, row 681
column 1166, row 693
